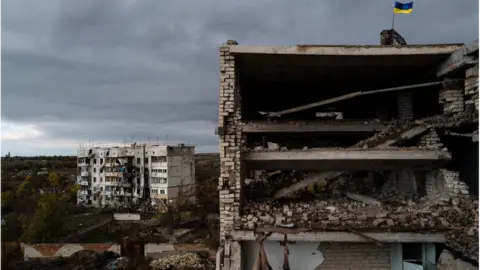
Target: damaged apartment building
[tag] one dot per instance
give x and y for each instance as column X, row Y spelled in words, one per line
column 348, row 157
column 136, row 174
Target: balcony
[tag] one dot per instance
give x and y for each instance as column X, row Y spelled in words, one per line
column 83, row 192
column 84, row 173
column 114, row 174
column 159, row 174
column 159, row 196
column 83, row 183
column 124, row 184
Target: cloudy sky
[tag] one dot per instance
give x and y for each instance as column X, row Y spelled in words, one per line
column 77, row 71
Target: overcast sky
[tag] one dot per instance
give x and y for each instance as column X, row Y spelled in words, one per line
column 75, row 71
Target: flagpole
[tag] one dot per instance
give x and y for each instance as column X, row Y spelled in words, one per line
column 393, row 20
column 393, row 17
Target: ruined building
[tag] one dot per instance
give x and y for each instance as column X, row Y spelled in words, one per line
column 350, row 156
column 134, row 174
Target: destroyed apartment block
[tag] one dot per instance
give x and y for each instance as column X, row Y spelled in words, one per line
column 360, row 155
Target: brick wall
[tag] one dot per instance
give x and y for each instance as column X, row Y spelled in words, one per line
column 401, row 181
column 405, row 105
column 444, row 183
column 431, row 140
column 231, row 139
column 451, row 97
column 354, row 256
column 454, row 186
column 471, row 88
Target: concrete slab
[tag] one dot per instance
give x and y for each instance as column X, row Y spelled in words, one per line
column 458, row 59
column 312, row 126
column 346, row 159
column 347, row 50
column 325, row 154
column 386, row 237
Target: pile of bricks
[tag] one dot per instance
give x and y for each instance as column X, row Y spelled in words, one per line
column 471, row 87
column 451, row 97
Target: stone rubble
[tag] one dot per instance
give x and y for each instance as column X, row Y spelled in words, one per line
column 465, row 238
column 190, row 261
column 343, row 214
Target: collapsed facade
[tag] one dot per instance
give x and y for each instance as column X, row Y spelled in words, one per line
column 365, row 156
column 134, row 174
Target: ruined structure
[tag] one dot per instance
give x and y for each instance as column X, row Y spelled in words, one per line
column 135, row 174
column 364, row 156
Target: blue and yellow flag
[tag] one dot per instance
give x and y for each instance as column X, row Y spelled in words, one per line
column 401, row 8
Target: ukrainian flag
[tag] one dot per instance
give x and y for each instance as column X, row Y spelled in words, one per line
column 401, row 8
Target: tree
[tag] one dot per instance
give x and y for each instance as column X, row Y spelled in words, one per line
column 54, row 180
column 37, row 216
column 46, row 222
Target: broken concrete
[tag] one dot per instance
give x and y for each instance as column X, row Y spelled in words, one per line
column 448, row 262
column 343, row 214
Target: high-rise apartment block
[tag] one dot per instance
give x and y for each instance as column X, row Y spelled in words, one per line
column 134, row 174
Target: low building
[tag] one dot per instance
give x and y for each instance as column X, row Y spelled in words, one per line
column 134, row 174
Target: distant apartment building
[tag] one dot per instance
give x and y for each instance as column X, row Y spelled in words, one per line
column 134, row 174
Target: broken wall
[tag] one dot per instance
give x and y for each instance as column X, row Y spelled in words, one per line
column 311, row 255
column 230, row 133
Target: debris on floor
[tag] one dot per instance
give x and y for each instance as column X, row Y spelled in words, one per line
column 191, row 261
column 334, row 214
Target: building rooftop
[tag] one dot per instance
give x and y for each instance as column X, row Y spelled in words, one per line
column 345, row 50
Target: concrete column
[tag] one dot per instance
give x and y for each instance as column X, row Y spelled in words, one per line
column 451, row 97
column 232, row 258
column 405, row 105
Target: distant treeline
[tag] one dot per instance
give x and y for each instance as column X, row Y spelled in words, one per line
column 28, row 163
column 61, row 162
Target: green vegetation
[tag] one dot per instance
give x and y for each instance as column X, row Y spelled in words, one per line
column 30, row 163
column 33, row 212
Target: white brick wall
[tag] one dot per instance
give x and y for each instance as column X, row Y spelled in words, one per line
column 471, row 87
column 454, row 186
column 431, row 140
column 451, row 97
column 231, row 139
column 355, row 256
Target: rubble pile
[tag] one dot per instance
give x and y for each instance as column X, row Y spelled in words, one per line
column 464, row 239
column 187, row 261
column 344, row 214
column 394, row 129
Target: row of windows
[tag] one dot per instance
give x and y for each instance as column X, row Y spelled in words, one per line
column 159, row 170
column 158, row 180
column 158, row 191
column 155, row 159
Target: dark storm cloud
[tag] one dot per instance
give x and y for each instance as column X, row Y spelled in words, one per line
column 112, row 69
